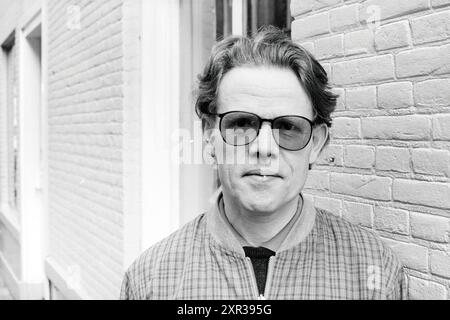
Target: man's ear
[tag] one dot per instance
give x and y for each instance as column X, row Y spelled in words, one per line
column 319, row 138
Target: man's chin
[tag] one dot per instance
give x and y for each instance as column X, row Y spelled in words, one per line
column 261, row 204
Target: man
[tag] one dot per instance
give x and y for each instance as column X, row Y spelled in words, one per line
column 265, row 105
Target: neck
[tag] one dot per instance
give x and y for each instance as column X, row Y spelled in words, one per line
column 257, row 228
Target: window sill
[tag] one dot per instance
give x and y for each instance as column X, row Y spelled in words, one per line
column 9, row 218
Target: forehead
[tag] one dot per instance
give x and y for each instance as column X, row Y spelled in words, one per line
column 267, row 91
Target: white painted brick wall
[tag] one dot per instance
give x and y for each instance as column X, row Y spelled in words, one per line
column 392, row 36
column 395, row 95
column 358, row 42
column 85, row 102
column 330, row 47
column 432, row 93
column 344, row 17
column 423, row 61
column 390, row 140
column 358, row 213
column 361, row 98
column 431, row 27
column 359, row 156
column 363, row 70
column 422, row 289
column 392, row 159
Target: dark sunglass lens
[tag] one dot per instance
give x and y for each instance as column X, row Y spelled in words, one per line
column 239, row 128
column 292, row 133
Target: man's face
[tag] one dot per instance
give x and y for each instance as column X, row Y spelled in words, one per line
column 261, row 176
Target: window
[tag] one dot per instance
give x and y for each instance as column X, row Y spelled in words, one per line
column 247, row 16
column 12, row 118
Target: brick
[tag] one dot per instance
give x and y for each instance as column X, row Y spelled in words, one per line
column 431, row 161
column 440, row 3
column 392, row 159
column 319, row 4
column 392, row 36
column 300, row 7
column 440, row 263
column 413, row 127
column 431, row 27
column 327, row 68
column 332, row 155
column 359, row 157
column 330, row 47
column 423, row 61
column 346, row 128
column 420, row 289
column 331, row 205
column 310, row 26
column 391, row 220
column 429, row 227
column 363, row 70
column 308, row 46
column 318, row 180
column 423, row 193
column 395, row 95
column 344, row 17
column 371, row 187
column 411, row 255
column 388, row 9
column 361, row 98
column 87, row 94
column 441, row 123
column 358, row 213
column 359, row 42
column 432, row 93
column 340, row 103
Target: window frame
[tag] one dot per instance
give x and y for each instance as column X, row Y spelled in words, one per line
column 239, row 17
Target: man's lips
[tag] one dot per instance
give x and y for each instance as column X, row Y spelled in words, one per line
column 261, row 173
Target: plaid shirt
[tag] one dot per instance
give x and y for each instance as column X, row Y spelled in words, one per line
column 322, row 257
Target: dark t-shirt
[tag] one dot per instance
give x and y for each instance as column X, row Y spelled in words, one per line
column 260, row 261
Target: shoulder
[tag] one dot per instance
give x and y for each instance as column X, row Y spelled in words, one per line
column 340, row 230
column 360, row 242
column 364, row 246
column 167, row 256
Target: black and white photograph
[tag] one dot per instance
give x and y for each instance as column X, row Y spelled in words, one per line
column 224, row 150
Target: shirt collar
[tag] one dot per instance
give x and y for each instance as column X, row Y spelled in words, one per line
column 218, row 226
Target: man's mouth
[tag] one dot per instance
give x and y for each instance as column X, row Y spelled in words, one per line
column 261, row 173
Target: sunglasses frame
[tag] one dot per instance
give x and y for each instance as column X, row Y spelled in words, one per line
column 261, row 121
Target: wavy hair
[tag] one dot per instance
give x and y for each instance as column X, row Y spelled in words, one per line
column 268, row 47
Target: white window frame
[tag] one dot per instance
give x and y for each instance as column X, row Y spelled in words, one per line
column 237, row 17
column 28, row 231
column 33, row 135
column 160, row 89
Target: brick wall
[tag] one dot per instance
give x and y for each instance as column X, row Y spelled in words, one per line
column 388, row 164
column 85, row 113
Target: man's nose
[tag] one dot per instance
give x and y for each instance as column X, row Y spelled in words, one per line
column 265, row 146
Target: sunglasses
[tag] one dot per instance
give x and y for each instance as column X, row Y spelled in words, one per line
column 239, row 128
